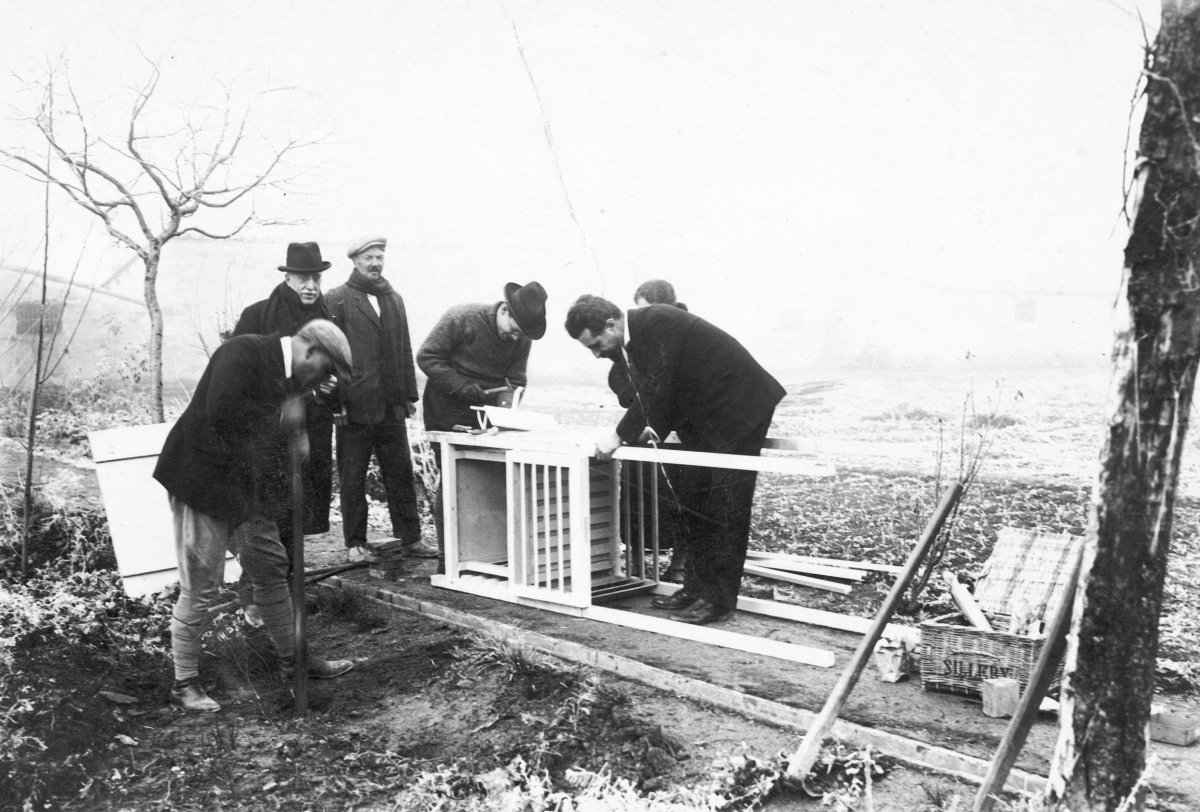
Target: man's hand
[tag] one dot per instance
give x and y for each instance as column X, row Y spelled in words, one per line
column 411, row 409
column 327, row 386
column 649, row 437
column 473, row 393
column 606, row 447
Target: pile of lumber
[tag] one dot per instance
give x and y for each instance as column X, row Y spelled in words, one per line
column 829, row 574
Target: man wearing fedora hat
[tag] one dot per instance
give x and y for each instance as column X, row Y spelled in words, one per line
column 381, row 393
column 292, row 304
column 475, row 349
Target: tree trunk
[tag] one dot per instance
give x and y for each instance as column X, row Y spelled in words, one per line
column 156, row 332
column 1109, row 680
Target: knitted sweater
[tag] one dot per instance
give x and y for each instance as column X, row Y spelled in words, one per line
column 464, row 348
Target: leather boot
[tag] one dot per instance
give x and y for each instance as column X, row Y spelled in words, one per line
column 680, row 600
column 317, row 668
column 187, row 695
column 700, row 613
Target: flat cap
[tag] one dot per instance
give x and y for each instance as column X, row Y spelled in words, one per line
column 363, row 243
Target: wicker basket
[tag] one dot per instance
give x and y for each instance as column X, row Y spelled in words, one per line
column 1026, row 568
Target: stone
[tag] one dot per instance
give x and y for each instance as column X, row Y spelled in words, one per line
column 385, row 575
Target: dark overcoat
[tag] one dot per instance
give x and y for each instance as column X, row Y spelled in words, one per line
column 226, row 455
column 686, row 370
column 317, row 473
column 365, row 395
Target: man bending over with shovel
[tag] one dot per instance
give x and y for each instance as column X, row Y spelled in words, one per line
column 225, row 466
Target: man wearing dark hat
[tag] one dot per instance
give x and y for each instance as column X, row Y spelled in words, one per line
column 293, row 303
column 380, row 395
column 478, row 347
column 475, row 348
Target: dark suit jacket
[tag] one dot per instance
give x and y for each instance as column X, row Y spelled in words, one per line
column 365, row 395
column 226, row 456
column 686, row 369
column 318, row 468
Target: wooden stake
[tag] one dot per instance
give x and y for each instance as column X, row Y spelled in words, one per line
column 801, row 762
column 299, row 608
column 1039, row 682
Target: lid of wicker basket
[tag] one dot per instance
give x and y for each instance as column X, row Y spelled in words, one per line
column 1020, row 587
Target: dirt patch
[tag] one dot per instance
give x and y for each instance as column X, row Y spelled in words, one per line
column 426, row 713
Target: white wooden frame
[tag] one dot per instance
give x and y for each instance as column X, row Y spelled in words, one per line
column 539, row 467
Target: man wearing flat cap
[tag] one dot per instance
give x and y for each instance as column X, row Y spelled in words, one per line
column 475, row 354
column 225, row 468
column 380, row 395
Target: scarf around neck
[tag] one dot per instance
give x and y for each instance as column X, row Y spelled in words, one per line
column 285, row 313
column 395, row 333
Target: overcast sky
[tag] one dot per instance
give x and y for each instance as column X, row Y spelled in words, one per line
column 874, row 172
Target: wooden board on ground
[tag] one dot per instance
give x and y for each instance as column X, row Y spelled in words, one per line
column 139, row 516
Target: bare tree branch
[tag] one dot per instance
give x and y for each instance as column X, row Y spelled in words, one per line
column 144, row 183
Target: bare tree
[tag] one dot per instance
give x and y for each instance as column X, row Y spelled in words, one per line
column 147, row 181
column 1101, row 754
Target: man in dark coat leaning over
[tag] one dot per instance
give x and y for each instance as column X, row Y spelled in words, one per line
column 475, row 348
column 377, row 398
column 685, row 369
column 292, row 304
column 225, row 468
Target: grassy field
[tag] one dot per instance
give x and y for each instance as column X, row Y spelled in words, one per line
column 897, row 436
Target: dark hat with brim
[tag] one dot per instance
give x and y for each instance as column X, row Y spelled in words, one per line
column 304, row 257
column 527, row 304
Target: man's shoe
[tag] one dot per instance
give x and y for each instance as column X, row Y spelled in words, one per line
column 419, row 549
column 356, row 554
column 679, row 600
column 317, row 668
column 700, row 613
column 187, row 695
column 252, row 615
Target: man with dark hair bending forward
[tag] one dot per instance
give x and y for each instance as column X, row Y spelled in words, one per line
column 685, row 369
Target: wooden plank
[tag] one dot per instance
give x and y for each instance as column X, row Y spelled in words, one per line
column 128, row 442
column 966, row 603
column 1044, row 671
column 892, row 569
column 818, row 570
column 500, row 569
column 737, row 462
column 799, row 614
column 137, row 507
column 802, row 580
column 805, row 757
column 789, row 444
column 822, row 658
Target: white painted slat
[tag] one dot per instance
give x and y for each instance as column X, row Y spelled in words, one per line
column 737, row 462
column 802, row 580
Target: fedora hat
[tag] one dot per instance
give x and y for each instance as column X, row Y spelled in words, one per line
column 304, row 257
column 527, row 304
